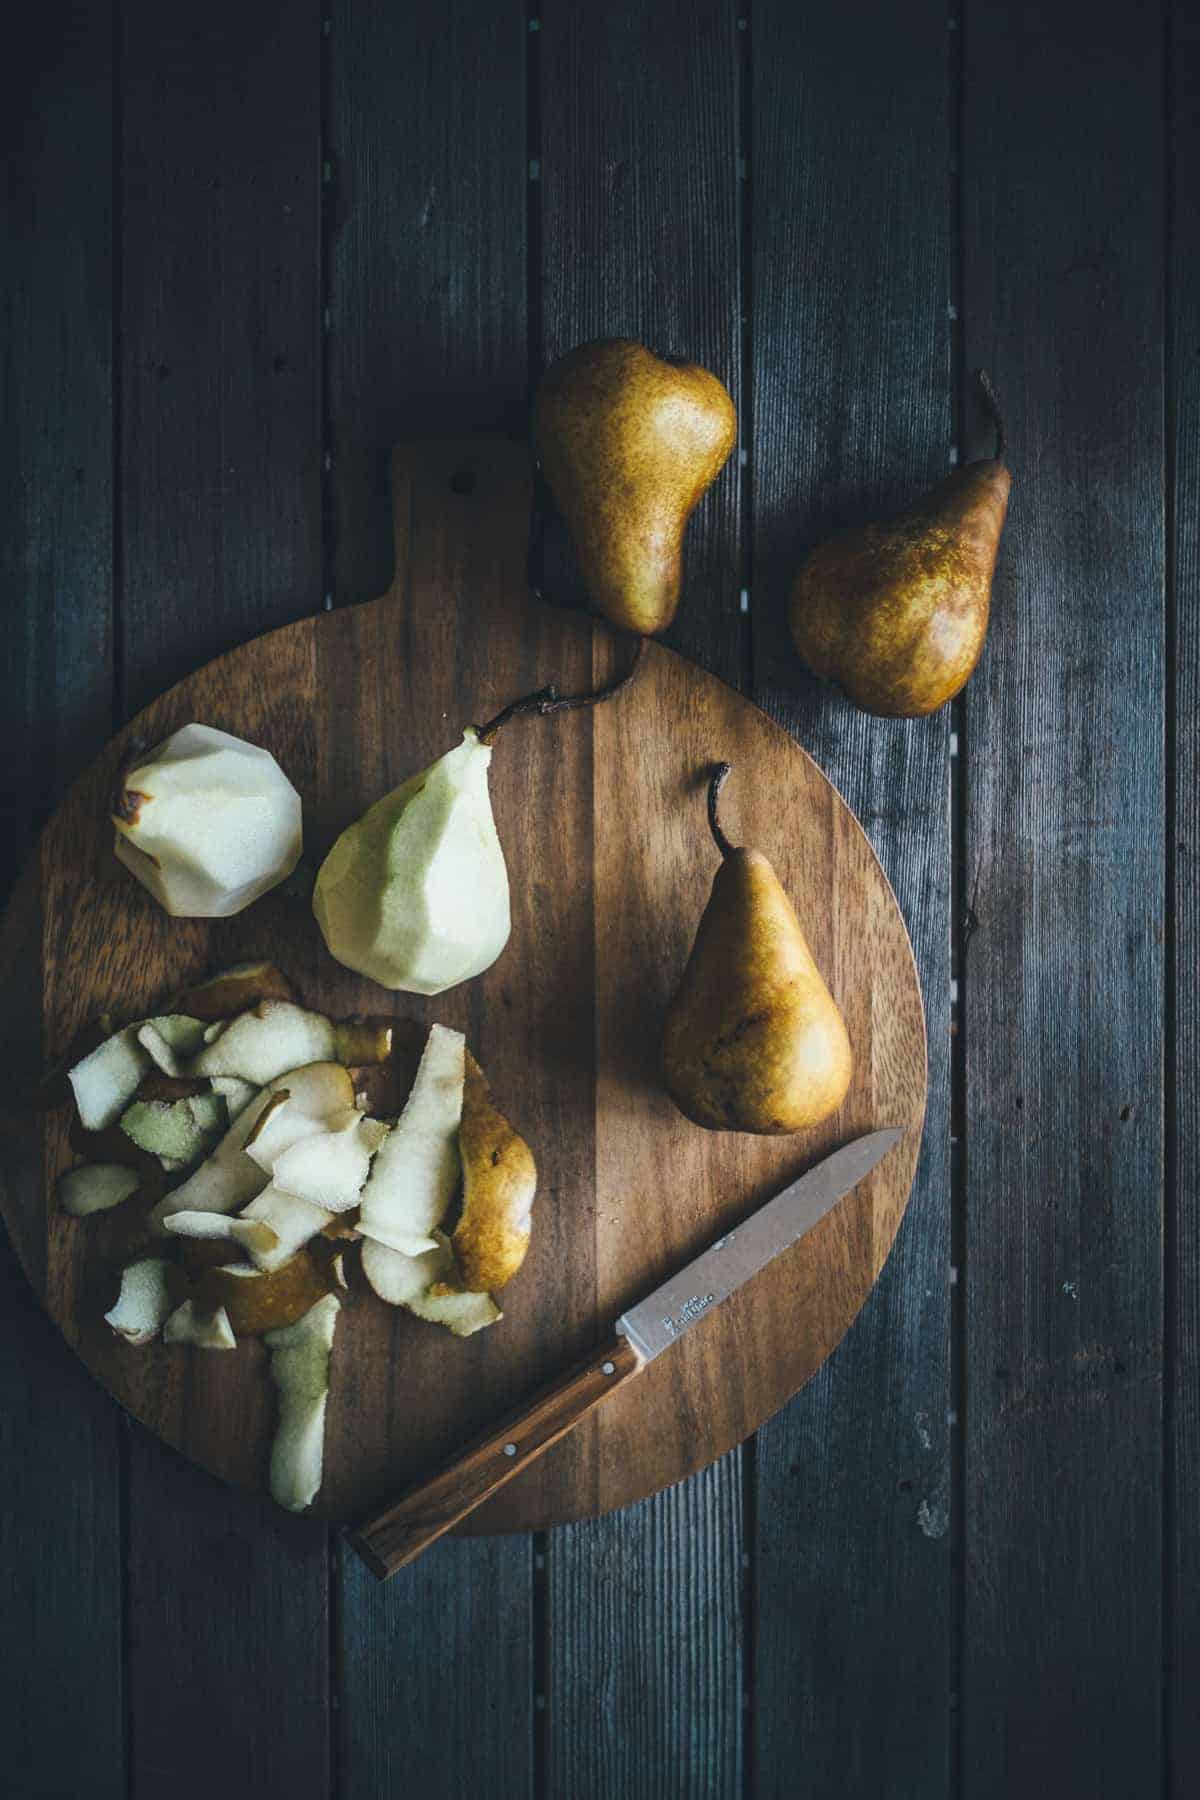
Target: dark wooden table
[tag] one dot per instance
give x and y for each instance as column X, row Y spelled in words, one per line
column 254, row 244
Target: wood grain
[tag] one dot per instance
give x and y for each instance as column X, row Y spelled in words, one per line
column 60, row 1504
column 221, row 518
column 852, row 417
column 659, row 1187
column 1183, row 1117
column 425, row 219
column 436, row 1672
column 637, row 212
column 648, row 1602
column 1063, row 262
column 639, row 236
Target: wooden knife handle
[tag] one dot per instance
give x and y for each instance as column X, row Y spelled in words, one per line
column 399, row 1535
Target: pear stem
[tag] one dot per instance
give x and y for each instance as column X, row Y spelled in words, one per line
column 719, row 777
column 548, row 700
column 992, row 408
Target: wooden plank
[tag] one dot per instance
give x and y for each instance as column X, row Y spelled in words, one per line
column 60, row 1513
column 425, row 211
column 638, row 232
column 648, row 1601
column 436, row 1670
column 852, row 416
column 427, row 335
column 220, row 397
column 220, row 364
column 1063, row 298
column 639, row 238
column 1183, row 1228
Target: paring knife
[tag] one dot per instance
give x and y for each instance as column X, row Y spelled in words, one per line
column 399, row 1535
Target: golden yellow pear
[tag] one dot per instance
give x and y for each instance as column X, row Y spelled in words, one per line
column 753, row 1038
column 629, row 442
column 897, row 612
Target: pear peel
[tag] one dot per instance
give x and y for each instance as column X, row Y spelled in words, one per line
column 96, row 1187
column 753, row 1040
column 499, row 1185
column 415, row 1173
column 149, row 1295
column 300, row 1355
column 896, row 611
column 428, row 1286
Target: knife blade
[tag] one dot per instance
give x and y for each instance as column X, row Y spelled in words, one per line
column 399, row 1535
column 663, row 1316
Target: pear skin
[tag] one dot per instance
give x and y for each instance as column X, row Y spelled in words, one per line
column 499, row 1183
column 629, row 442
column 897, row 612
column 753, row 1038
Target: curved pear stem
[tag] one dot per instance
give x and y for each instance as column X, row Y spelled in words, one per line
column 992, row 407
column 548, row 700
column 719, row 777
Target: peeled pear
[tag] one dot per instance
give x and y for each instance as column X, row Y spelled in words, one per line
column 629, row 442
column 897, row 612
column 207, row 823
column 414, row 895
column 753, row 1038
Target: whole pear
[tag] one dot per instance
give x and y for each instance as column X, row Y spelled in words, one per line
column 897, row 611
column 753, row 1038
column 629, row 442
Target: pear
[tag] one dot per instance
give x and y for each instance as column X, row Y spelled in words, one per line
column 415, row 893
column 753, row 1039
column 207, row 823
column 897, row 611
column 629, row 442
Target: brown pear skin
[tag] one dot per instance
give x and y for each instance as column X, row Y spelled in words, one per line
column 897, row 612
column 753, row 1038
column 499, row 1184
column 629, row 442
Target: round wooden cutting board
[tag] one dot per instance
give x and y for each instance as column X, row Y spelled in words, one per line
column 602, row 817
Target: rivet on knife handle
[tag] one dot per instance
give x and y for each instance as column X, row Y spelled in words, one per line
column 399, row 1535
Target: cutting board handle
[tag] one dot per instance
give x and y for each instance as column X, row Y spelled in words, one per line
column 399, row 1535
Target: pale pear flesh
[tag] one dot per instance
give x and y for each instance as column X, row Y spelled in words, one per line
column 415, row 1174
column 415, row 895
column 207, row 822
column 429, row 1286
column 753, row 1039
column 300, row 1355
column 629, row 442
column 897, row 612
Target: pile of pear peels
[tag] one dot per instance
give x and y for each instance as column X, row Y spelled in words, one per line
column 229, row 1129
